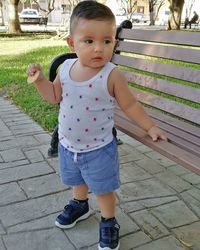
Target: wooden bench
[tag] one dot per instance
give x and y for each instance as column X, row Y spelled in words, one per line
column 163, row 70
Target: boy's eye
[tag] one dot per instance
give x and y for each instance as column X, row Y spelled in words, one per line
column 89, row 41
column 107, row 41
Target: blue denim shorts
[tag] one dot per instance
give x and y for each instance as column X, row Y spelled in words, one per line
column 98, row 169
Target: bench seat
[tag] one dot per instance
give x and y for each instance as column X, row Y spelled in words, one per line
column 163, row 71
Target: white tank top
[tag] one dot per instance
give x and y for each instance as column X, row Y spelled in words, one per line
column 86, row 110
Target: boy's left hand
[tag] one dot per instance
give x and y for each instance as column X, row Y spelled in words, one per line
column 156, row 133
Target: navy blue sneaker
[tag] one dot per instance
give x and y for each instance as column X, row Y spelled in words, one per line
column 72, row 213
column 109, row 235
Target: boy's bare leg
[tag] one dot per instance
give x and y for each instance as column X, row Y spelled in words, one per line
column 80, row 192
column 107, row 204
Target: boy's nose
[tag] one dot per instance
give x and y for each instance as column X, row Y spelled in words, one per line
column 98, row 48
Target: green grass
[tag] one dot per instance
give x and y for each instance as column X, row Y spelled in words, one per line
column 16, row 54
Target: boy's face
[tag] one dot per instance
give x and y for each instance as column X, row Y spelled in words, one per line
column 93, row 41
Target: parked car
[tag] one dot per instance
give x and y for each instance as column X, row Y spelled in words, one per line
column 32, row 16
column 139, row 18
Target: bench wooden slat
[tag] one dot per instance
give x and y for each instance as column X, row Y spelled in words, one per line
column 180, row 138
column 160, row 51
column 174, row 123
column 169, row 37
column 172, row 107
column 185, row 92
column 170, row 70
column 171, row 151
column 179, row 133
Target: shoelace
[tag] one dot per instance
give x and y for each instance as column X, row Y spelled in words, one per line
column 110, row 233
column 68, row 208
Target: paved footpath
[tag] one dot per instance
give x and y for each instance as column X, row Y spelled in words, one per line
column 158, row 204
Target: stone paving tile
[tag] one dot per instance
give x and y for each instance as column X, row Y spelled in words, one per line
column 28, row 210
column 143, row 149
column 189, row 234
column 131, row 172
column 174, row 181
column 14, row 154
column 17, row 117
column 42, row 185
column 178, row 170
column 192, row 178
column 2, row 230
column 13, row 164
column 160, row 158
column 150, row 188
column 20, row 122
column 38, row 240
column 5, row 134
column 151, row 166
column 43, row 138
column 192, row 202
column 22, row 141
column 13, row 193
column 85, row 233
column 25, row 171
column 127, row 225
column 133, row 240
column 130, row 157
column 26, row 130
column 33, row 155
column 150, row 224
column 149, row 203
column 168, row 243
column 175, row 214
column 194, row 192
column 131, row 206
column 44, row 222
column 2, row 247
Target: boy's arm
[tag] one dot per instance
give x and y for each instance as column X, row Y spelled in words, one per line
column 48, row 90
column 132, row 108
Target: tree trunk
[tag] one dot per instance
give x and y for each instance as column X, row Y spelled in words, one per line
column 151, row 11
column 13, row 21
column 1, row 14
column 176, row 7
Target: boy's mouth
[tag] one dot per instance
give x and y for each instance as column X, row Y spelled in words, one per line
column 97, row 58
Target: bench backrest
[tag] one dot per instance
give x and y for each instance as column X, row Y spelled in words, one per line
column 163, row 68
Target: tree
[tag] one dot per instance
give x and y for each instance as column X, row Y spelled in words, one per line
column 188, row 7
column 154, row 7
column 13, row 18
column 129, row 6
column 176, row 7
column 1, row 14
column 50, row 6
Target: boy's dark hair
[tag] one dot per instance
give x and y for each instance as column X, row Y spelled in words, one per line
column 90, row 10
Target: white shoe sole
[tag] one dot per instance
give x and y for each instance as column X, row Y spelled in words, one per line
column 107, row 248
column 83, row 217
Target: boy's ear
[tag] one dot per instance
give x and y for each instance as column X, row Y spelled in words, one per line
column 70, row 42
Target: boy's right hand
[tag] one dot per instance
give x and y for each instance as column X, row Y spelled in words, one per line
column 35, row 73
